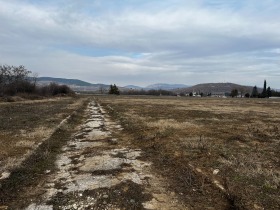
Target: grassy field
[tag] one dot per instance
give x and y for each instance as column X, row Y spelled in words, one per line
column 25, row 124
column 31, row 136
column 215, row 153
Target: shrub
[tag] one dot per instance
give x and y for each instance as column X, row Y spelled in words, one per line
column 54, row 89
column 14, row 79
column 17, row 81
column 247, row 95
column 114, row 90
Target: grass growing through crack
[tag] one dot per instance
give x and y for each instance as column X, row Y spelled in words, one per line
column 126, row 195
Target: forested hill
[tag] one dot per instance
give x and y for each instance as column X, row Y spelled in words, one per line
column 216, row 88
column 75, row 82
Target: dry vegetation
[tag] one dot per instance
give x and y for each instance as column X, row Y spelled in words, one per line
column 25, row 124
column 32, row 134
column 215, row 153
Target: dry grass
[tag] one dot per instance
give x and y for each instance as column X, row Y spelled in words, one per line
column 26, row 156
column 25, row 124
column 239, row 137
column 37, row 133
column 164, row 124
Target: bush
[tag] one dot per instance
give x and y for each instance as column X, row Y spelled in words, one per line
column 14, row 80
column 234, row 93
column 247, row 95
column 54, row 89
column 17, row 81
column 114, row 90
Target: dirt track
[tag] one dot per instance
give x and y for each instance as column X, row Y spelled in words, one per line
column 96, row 171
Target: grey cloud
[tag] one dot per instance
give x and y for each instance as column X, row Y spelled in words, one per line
column 175, row 44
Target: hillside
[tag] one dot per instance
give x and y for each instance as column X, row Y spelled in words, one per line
column 134, row 87
column 216, row 88
column 64, row 81
column 75, row 84
column 158, row 86
column 79, row 85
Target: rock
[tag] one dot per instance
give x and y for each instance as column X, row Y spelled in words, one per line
column 47, row 171
column 256, row 206
column 113, row 141
column 75, row 206
column 5, row 175
column 79, row 135
column 216, row 171
column 39, row 207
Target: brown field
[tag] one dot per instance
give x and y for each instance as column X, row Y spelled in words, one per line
column 25, row 124
column 31, row 136
column 215, row 153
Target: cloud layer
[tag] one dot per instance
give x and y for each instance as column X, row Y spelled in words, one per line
column 143, row 42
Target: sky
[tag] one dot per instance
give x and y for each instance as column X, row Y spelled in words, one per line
column 143, row 42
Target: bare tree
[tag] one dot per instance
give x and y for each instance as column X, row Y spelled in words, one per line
column 13, row 79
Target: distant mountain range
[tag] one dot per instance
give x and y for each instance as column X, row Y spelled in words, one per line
column 79, row 85
column 159, row 86
column 75, row 84
column 133, row 87
column 163, row 86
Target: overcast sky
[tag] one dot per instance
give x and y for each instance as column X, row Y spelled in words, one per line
column 143, row 42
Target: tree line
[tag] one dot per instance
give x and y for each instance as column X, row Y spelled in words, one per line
column 17, row 80
column 266, row 92
column 115, row 90
column 149, row 92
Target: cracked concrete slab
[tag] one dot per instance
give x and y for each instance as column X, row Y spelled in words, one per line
column 89, row 162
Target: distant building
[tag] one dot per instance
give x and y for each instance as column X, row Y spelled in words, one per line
column 218, row 94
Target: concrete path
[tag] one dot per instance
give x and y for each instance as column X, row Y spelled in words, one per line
column 95, row 171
